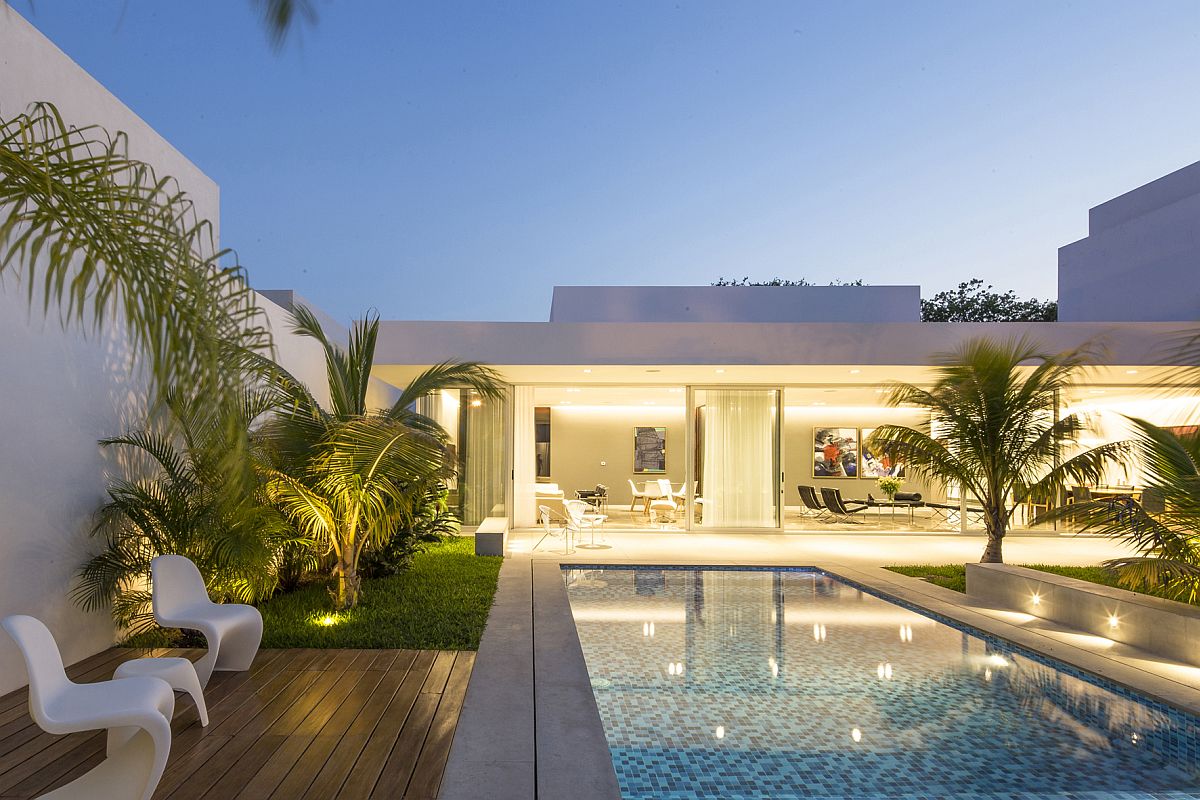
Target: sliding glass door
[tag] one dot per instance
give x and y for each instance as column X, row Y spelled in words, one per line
column 735, row 458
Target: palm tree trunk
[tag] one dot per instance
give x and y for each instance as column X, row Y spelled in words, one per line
column 345, row 595
column 997, row 526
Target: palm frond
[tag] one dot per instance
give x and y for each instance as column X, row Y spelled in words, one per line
column 103, row 238
column 449, row 375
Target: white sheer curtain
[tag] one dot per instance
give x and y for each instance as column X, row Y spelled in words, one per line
column 486, row 474
column 740, row 431
column 524, row 458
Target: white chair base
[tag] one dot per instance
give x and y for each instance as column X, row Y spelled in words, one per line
column 125, row 773
column 179, row 673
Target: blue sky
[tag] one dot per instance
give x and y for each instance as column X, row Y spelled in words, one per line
column 446, row 160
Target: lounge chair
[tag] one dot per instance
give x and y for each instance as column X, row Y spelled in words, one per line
column 812, row 503
column 839, row 507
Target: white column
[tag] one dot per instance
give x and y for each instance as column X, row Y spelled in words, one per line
column 524, row 513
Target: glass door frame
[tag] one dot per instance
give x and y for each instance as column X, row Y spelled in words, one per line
column 690, row 456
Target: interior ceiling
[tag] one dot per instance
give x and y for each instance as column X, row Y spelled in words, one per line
column 807, row 385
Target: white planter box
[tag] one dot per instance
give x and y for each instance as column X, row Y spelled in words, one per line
column 491, row 537
column 1163, row 627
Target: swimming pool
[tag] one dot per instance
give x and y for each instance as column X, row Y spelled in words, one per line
column 788, row 683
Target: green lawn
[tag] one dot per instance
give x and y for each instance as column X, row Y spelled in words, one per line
column 440, row 603
column 954, row 576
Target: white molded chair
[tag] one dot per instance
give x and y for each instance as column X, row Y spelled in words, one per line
column 135, row 711
column 181, row 600
column 637, row 495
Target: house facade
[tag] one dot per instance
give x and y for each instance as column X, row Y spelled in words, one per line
column 738, row 396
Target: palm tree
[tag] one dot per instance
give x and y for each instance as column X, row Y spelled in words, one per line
column 105, row 239
column 997, row 435
column 1166, row 533
column 349, row 476
column 198, row 502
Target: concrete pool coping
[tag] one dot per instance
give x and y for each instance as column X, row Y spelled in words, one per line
column 530, row 726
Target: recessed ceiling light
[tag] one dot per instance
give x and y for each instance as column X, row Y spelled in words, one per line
column 720, row 372
column 587, row 371
column 1131, row 372
column 574, row 390
column 855, row 371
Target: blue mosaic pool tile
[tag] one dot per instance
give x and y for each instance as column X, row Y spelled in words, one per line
column 770, row 683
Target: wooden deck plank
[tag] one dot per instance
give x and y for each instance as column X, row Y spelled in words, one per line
column 255, row 756
column 272, row 773
column 440, row 672
column 394, row 778
column 299, row 724
column 431, row 761
column 382, row 739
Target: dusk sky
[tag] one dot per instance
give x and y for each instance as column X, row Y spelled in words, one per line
column 446, row 160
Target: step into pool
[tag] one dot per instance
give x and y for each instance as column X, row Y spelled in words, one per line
column 793, row 683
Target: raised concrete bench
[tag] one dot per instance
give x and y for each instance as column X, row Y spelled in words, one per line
column 1163, row 627
column 491, row 537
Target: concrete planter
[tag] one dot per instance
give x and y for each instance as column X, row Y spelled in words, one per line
column 1163, row 627
column 491, row 537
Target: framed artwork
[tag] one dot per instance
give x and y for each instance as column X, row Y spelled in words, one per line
column 649, row 450
column 875, row 464
column 835, row 452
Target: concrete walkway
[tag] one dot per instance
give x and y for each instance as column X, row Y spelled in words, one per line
column 877, row 549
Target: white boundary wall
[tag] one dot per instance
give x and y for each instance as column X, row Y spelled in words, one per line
column 60, row 393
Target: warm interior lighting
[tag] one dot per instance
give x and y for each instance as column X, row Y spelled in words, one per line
column 856, row 734
column 855, row 371
column 476, row 403
column 587, row 372
column 1131, row 372
column 720, row 372
column 574, row 390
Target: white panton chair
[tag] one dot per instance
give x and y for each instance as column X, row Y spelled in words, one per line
column 135, row 711
column 233, row 631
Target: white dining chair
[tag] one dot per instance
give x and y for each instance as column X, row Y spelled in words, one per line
column 136, row 712
column 233, row 631
column 637, row 495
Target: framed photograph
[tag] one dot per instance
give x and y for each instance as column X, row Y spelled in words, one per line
column 649, row 450
column 877, row 464
column 835, row 452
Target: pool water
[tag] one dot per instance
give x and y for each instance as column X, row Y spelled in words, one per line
column 767, row 683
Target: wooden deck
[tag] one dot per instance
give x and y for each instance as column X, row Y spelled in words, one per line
column 299, row 724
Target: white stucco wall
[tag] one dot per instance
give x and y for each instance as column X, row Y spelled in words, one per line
column 1141, row 259
column 59, row 393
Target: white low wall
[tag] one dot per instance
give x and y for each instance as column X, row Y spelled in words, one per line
column 491, row 537
column 1163, row 627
